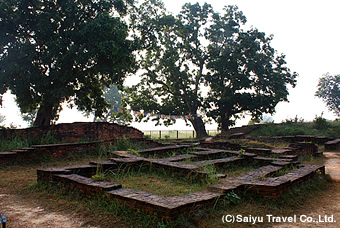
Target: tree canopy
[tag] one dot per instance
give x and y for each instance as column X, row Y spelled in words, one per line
column 329, row 92
column 245, row 74
column 174, row 62
column 200, row 50
column 63, row 51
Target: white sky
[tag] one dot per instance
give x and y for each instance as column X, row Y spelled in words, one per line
column 306, row 31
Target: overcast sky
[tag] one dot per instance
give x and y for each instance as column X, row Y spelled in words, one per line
column 306, row 31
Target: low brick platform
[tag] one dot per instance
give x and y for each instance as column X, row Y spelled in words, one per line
column 258, row 182
column 7, row 156
column 332, row 145
column 85, row 184
column 62, row 149
column 167, row 207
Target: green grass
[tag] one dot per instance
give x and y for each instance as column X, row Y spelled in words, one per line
column 124, row 144
column 319, row 127
column 157, row 181
column 163, row 182
column 17, row 142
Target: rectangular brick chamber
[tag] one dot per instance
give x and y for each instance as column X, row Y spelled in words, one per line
column 78, row 178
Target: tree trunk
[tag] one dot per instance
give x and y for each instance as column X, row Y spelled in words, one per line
column 44, row 116
column 225, row 123
column 199, row 127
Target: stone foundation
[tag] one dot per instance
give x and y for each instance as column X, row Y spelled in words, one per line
column 257, row 180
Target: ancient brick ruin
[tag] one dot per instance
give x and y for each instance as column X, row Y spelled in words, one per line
column 257, row 180
column 265, row 180
column 74, row 137
column 76, row 132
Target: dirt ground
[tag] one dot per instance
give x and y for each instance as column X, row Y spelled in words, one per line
column 21, row 212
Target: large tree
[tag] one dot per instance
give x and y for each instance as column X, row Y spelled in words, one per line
column 62, row 51
column 329, row 92
column 174, row 62
column 198, row 48
column 246, row 75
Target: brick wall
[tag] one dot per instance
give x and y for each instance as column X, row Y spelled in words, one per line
column 72, row 132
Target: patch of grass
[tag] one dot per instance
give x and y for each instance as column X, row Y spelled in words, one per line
column 311, row 160
column 124, row 144
column 13, row 144
column 282, row 172
column 17, row 142
column 319, row 127
column 211, row 177
column 234, row 170
column 157, row 181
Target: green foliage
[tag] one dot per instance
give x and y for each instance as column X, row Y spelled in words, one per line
column 320, row 123
column 17, row 142
column 13, row 144
column 185, row 53
column 124, row 144
column 211, row 177
column 63, row 51
column 293, row 120
column 319, row 127
column 245, row 72
column 241, row 153
column 103, row 176
column 329, row 92
column 48, row 139
column 29, row 117
column 232, row 197
column 172, row 45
